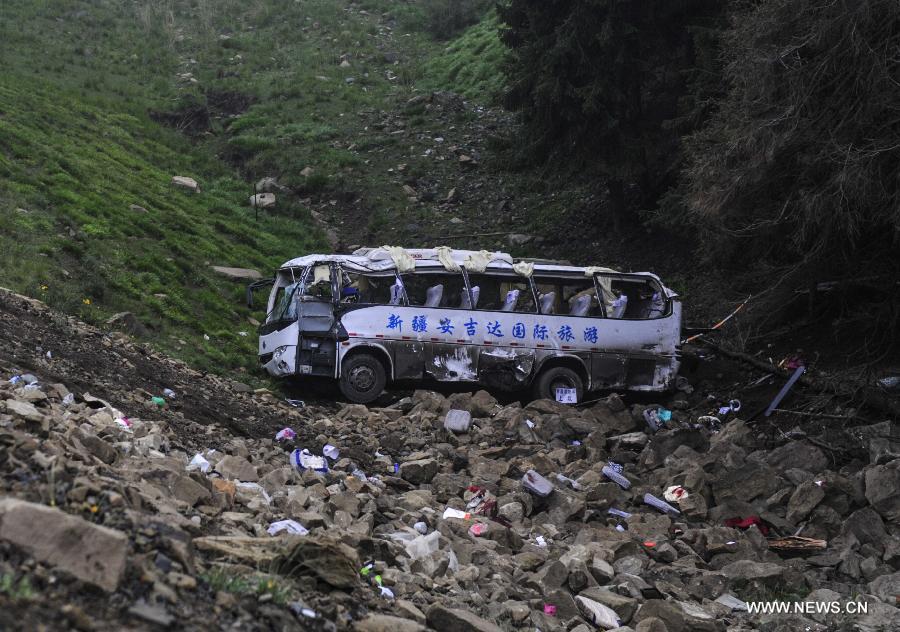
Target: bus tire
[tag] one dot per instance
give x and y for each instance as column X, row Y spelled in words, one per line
column 558, row 377
column 362, row 378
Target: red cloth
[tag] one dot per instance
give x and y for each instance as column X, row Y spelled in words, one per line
column 746, row 523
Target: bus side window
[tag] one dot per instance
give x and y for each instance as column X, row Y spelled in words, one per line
column 434, row 289
column 366, row 289
column 502, row 293
column 638, row 299
column 570, row 297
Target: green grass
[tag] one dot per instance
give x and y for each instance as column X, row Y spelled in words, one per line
column 219, row 579
column 16, row 590
column 470, row 64
column 69, row 174
column 79, row 147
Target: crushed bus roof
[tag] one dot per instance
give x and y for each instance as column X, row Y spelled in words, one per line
column 382, row 260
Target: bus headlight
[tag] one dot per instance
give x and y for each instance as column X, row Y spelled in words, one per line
column 279, row 352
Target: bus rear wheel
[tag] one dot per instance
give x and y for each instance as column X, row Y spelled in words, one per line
column 558, row 377
column 362, row 378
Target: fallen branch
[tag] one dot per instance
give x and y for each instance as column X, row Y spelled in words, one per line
column 822, row 415
column 863, row 395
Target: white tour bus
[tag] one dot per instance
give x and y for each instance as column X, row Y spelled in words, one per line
column 386, row 314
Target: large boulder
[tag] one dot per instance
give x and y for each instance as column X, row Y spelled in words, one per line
column 92, row 553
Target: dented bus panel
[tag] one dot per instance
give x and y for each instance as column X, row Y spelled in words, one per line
column 387, row 314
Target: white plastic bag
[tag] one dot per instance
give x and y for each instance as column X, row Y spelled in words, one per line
column 198, row 463
column 291, row 526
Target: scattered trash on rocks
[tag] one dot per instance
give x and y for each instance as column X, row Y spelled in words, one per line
column 733, row 406
column 285, row 434
column 450, row 512
column 478, row 529
column 168, row 531
column 331, row 452
column 661, row 505
column 537, row 484
column 289, row 526
column 199, row 463
column 305, row 460
column 675, row 493
column 657, row 418
column 613, row 471
column 746, row 523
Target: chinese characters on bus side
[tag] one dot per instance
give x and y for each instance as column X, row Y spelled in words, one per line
column 495, row 329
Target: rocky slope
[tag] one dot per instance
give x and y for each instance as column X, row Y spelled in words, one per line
column 105, row 523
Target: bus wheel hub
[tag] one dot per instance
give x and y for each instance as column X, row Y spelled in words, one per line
column 362, row 378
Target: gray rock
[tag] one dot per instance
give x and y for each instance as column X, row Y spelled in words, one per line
column 99, row 448
column 803, row 501
column 262, row 200
column 127, row 322
column 24, row 410
column 238, row 274
column 677, row 616
column 190, row 491
column 482, row 404
column 419, row 471
column 748, row 570
column 387, row 623
column 797, row 454
column 153, row 613
column 237, row 468
column 883, row 489
column 444, row 619
column 90, row 552
column 185, row 182
column 886, row 587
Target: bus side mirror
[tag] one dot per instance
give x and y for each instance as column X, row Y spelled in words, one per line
column 257, row 285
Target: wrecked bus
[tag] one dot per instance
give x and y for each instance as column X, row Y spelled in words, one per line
column 388, row 314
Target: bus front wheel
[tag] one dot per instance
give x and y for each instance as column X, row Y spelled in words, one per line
column 362, row 378
column 558, row 377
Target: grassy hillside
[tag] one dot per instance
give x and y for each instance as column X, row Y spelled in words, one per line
column 470, row 64
column 102, row 102
column 71, row 177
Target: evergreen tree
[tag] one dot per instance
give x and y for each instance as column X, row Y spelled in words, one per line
column 603, row 85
